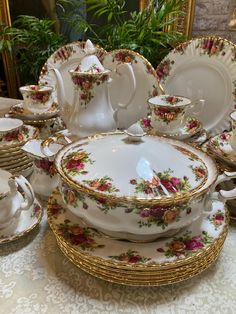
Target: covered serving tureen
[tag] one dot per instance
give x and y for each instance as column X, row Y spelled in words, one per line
column 137, row 190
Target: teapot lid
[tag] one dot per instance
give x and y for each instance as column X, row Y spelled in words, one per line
column 90, row 62
column 154, row 168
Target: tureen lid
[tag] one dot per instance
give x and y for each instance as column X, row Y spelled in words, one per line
column 154, row 168
column 90, row 62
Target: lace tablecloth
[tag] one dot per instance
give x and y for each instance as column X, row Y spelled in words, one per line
column 36, row 278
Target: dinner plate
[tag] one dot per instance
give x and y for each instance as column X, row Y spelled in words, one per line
column 203, row 68
column 192, row 243
column 65, row 59
column 120, row 87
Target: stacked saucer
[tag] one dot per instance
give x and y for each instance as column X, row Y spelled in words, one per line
column 163, row 261
column 13, row 135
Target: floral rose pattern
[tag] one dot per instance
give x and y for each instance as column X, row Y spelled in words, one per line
column 75, row 162
column 191, row 125
column 184, row 246
column 161, row 181
column 124, row 57
column 200, row 172
column 86, row 82
column 46, row 166
column 38, row 96
column 181, row 48
column 161, row 216
column 131, row 257
column 16, row 136
column 146, row 123
column 172, row 100
column 36, row 211
column 55, row 208
column 102, row 184
column 217, row 219
column 167, row 115
column 163, row 69
column 76, row 235
column 212, row 46
column 72, row 197
column 218, row 143
column 63, row 54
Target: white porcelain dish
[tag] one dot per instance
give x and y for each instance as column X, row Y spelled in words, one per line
column 203, row 68
column 136, row 190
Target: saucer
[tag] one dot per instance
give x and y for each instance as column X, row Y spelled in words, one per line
column 18, row 111
column 190, row 245
column 17, row 138
column 27, row 221
column 219, row 146
column 190, row 128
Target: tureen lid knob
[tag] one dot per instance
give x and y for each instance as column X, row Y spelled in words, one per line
column 135, row 132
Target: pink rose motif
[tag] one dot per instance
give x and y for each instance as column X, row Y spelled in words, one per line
column 146, row 123
column 168, row 185
column 75, row 164
column 175, row 181
column 194, row 244
column 219, row 218
column 133, row 181
column 134, row 259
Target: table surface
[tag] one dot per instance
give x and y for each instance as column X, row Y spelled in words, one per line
column 36, row 278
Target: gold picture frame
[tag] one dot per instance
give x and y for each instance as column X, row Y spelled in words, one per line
column 184, row 22
column 8, row 65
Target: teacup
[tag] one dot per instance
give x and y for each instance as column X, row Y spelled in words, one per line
column 233, row 136
column 9, row 125
column 168, row 113
column 36, row 98
column 13, row 201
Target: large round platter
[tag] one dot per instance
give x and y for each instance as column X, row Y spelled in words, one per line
column 203, row 68
column 120, row 87
column 112, row 167
column 65, row 59
column 160, row 262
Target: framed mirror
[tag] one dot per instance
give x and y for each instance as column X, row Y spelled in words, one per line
column 184, row 22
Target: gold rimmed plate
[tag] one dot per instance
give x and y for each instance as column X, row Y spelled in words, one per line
column 190, row 244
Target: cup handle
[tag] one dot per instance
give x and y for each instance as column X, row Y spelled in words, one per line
column 198, row 106
column 132, row 79
column 28, row 193
column 45, row 145
column 222, row 195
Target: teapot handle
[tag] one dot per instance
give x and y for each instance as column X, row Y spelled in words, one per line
column 28, row 193
column 222, row 195
column 132, row 79
column 57, row 138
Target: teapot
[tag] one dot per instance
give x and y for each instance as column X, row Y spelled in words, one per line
column 91, row 111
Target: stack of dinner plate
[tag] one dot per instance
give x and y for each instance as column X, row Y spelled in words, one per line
column 13, row 135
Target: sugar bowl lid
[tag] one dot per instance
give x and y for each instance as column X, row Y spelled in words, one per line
column 155, row 168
